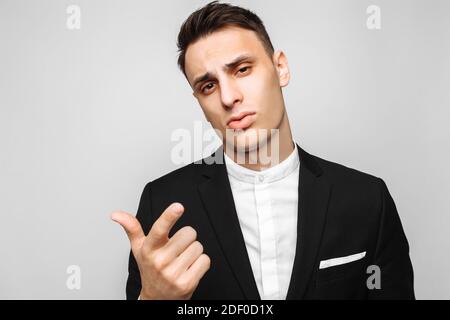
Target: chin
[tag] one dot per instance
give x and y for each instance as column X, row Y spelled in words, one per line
column 244, row 140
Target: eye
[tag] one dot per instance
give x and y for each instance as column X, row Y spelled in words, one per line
column 209, row 86
column 244, row 70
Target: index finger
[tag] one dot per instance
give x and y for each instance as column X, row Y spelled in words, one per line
column 159, row 233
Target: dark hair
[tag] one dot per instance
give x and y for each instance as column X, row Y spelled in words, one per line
column 215, row 16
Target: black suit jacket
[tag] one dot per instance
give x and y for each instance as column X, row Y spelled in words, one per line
column 341, row 212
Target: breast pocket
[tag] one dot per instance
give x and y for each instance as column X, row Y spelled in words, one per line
column 343, row 267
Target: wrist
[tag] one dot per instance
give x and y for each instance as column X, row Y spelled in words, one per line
column 144, row 296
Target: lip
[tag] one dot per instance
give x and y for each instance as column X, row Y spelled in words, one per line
column 242, row 120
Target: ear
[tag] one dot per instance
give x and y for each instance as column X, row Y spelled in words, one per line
column 281, row 65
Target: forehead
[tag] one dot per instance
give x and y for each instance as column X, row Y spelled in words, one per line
column 219, row 48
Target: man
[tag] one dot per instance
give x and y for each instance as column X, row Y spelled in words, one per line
column 295, row 227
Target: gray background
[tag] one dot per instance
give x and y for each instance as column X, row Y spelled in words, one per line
column 86, row 118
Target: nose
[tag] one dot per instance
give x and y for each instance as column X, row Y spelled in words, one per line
column 230, row 93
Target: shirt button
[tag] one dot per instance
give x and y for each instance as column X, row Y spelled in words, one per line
column 261, row 178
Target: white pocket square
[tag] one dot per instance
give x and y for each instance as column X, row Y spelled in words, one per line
column 341, row 260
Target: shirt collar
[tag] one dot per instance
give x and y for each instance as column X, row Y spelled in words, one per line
column 277, row 172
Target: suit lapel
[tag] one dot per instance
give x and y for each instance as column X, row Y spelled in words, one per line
column 313, row 196
column 217, row 198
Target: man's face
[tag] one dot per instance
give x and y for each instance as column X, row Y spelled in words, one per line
column 233, row 76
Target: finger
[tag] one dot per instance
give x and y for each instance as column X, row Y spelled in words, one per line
column 180, row 241
column 197, row 270
column 132, row 227
column 187, row 258
column 159, row 233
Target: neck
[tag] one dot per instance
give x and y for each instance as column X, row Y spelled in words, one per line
column 269, row 160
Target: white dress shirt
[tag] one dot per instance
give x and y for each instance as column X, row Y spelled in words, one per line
column 266, row 204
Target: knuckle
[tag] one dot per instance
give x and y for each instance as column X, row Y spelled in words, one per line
column 183, row 287
column 159, row 261
column 168, row 275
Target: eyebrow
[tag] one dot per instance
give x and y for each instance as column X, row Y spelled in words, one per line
column 231, row 65
column 202, row 78
column 237, row 61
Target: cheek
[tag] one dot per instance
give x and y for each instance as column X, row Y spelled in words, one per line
column 212, row 110
column 262, row 91
column 255, row 85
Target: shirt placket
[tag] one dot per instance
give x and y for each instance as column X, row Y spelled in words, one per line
column 267, row 240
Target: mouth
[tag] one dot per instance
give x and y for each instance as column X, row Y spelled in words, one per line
column 242, row 121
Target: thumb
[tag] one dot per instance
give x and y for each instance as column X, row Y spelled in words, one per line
column 132, row 227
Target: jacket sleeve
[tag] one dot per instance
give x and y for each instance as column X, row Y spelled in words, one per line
column 392, row 254
column 145, row 217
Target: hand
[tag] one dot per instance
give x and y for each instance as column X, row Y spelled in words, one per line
column 169, row 268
